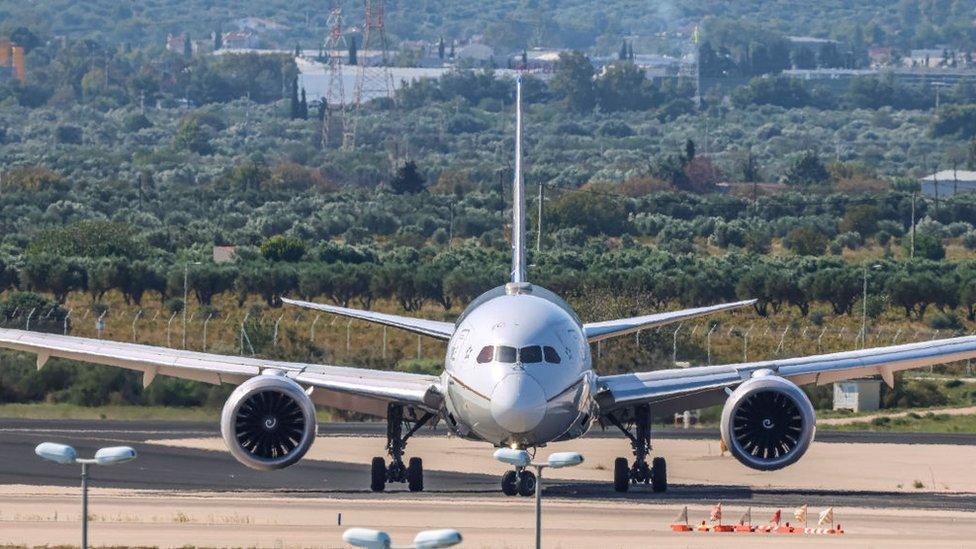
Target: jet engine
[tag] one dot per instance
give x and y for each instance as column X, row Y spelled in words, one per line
column 268, row 422
column 768, row 423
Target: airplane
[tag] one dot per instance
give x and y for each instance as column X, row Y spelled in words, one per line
column 517, row 373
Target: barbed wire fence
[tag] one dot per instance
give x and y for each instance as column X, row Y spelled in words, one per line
column 275, row 329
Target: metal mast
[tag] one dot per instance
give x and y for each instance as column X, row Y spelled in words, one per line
column 375, row 79
column 335, row 97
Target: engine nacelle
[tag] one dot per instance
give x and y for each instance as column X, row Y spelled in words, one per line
column 768, row 423
column 268, row 422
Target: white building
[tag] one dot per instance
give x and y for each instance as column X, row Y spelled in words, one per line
column 857, row 395
column 946, row 183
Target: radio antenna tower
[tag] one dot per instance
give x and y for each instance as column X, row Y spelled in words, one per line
column 335, row 97
column 375, row 78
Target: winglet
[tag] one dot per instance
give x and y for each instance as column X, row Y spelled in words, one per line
column 518, row 196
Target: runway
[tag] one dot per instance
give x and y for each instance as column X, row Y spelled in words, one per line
column 165, row 467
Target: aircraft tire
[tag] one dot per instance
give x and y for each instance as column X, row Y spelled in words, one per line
column 415, row 475
column 659, row 475
column 510, row 483
column 621, row 475
column 377, row 475
column 526, row 483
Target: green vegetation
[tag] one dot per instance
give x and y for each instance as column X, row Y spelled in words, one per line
column 124, row 164
column 927, row 422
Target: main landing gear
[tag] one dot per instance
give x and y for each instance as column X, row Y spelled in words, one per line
column 518, row 482
column 396, row 442
column 639, row 432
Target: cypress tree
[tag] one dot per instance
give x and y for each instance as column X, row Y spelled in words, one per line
column 440, row 48
column 295, row 105
column 303, row 106
column 353, row 54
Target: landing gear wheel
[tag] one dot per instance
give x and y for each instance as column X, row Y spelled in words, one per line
column 621, row 475
column 526, row 483
column 377, row 474
column 510, row 483
column 415, row 475
column 659, row 475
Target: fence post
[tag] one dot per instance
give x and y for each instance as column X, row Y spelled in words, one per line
column 419, row 349
column 275, row 337
column 66, row 321
column 708, row 343
column 135, row 318
column 384, row 342
column 674, row 344
column 782, row 338
column 312, row 330
column 100, row 323
column 819, row 339
column 29, row 315
column 168, row 326
column 348, row 334
column 745, row 343
column 205, row 323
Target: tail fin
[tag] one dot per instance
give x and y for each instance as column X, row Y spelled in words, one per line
column 518, row 197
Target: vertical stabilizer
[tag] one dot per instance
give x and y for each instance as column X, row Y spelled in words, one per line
column 518, row 197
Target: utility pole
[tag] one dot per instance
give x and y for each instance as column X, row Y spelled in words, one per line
column 542, row 197
column 914, row 195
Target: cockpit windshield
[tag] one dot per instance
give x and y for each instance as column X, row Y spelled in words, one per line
column 505, row 355
column 532, row 354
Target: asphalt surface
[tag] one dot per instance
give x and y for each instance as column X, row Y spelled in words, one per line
column 172, row 468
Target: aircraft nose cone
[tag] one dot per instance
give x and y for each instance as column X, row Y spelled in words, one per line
column 518, row 403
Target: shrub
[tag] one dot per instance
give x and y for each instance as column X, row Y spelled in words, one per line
column 805, row 241
column 283, row 248
column 945, row 321
column 615, row 128
column 68, row 135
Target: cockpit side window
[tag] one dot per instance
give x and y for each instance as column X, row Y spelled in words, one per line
column 484, row 356
column 530, row 355
column 505, row 355
column 552, row 356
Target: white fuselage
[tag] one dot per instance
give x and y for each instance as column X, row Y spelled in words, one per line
column 518, row 370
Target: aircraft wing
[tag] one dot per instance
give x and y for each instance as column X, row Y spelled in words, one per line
column 433, row 328
column 354, row 389
column 596, row 331
column 677, row 389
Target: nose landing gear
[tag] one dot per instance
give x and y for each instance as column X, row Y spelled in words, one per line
column 518, row 482
column 411, row 473
column 655, row 474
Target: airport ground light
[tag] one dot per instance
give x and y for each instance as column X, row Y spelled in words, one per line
column 66, row 455
column 377, row 539
column 521, row 459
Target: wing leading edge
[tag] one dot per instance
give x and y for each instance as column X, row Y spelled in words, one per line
column 432, row 328
column 354, row 389
column 706, row 384
column 596, row 331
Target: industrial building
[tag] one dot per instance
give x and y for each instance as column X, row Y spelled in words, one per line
column 11, row 61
